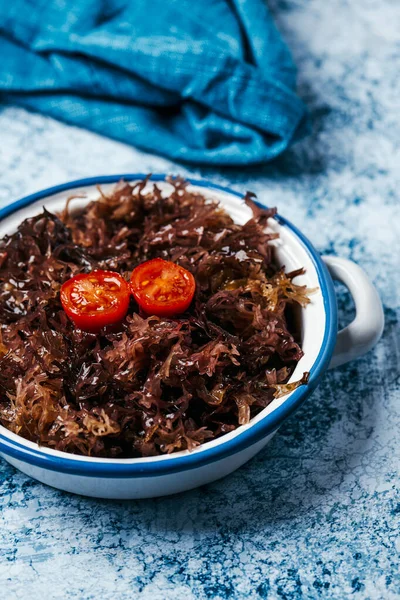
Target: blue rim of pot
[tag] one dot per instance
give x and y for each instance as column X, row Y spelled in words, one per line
column 109, row 468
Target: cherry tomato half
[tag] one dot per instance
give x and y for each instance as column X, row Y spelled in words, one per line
column 162, row 288
column 94, row 300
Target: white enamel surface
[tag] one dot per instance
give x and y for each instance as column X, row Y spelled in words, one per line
column 290, row 253
column 364, row 332
column 140, row 487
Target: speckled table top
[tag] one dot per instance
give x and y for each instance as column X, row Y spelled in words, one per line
column 317, row 513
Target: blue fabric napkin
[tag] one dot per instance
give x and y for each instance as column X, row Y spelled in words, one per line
column 204, row 81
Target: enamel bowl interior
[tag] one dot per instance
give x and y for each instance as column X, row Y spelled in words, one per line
column 289, row 252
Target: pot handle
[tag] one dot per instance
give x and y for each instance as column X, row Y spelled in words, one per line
column 364, row 332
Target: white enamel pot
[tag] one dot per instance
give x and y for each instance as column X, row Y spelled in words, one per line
column 323, row 347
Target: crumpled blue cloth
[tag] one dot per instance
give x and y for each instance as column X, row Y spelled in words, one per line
column 202, row 81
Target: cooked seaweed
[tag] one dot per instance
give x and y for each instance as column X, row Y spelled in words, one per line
column 152, row 385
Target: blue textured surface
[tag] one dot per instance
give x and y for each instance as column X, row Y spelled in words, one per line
column 209, row 82
column 317, row 513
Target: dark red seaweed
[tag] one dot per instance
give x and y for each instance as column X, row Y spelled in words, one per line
column 153, row 385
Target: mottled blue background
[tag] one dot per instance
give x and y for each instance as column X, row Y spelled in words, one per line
column 317, row 513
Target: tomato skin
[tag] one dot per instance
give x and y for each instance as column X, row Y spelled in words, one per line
column 96, row 299
column 162, row 288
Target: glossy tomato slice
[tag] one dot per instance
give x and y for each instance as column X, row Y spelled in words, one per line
column 162, row 288
column 94, row 300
